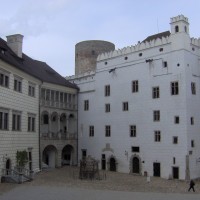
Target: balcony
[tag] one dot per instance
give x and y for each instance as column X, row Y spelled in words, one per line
column 58, row 136
column 56, row 104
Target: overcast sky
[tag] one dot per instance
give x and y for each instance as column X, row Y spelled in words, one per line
column 51, row 28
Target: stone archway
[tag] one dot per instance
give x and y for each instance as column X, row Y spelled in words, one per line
column 68, row 155
column 135, row 164
column 112, row 163
column 49, row 156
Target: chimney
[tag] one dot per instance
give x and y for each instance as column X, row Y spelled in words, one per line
column 15, row 43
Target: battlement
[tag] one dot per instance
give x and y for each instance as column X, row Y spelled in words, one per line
column 195, row 41
column 179, row 18
column 131, row 49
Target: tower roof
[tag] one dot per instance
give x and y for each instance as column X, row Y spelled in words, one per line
column 35, row 68
column 158, row 35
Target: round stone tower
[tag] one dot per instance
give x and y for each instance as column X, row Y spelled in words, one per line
column 86, row 53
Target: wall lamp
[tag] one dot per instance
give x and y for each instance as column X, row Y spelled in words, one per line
column 149, row 60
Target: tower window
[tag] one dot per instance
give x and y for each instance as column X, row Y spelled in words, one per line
column 176, row 29
column 186, row 29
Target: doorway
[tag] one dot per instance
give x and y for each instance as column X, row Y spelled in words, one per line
column 175, row 172
column 156, row 169
column 136, row 165
column 112, row 164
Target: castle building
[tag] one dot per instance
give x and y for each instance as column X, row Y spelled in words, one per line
column 38, row 111
column 139, row 108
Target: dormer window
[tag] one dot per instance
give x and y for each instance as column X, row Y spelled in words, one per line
column 176, row 29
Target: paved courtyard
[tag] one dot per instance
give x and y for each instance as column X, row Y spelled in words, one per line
column 63, row 183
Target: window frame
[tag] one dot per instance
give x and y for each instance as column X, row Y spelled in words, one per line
column 31, row 89
column 6, row 78
column 107, row 107
column 4, row 119
column 157, row 136
column 125, row 106
column 155, row 92
column 175, row 139
column 91, row 131
column 175, row 88
column 17, row 84
column 107, row 90
column 193, row 88
column 135, row 86
column 86, row 105
column 156, row 115
column 31, row 126
column 133, row 130
column 16, row 120
column 107, row 131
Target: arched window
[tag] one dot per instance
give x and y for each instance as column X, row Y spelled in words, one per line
column 176, row 29
column 45, row 119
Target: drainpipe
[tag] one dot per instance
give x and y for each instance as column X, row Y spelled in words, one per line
column 40, row 164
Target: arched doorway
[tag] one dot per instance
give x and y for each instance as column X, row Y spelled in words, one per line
column 49, row 157
column 136, row 165
column 112, row 164
column 67, row 155
column 8, row 166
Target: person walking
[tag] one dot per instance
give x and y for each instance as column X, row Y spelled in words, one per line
column 192, row 184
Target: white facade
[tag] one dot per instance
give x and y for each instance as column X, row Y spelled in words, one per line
column 165, row 137
column 16, row 135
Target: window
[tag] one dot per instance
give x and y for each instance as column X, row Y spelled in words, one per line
column 175, row 140
column 31, row 122
column 45, row 119
column 4, row 79
column 91, row 131
column 156, row 115
column 192, row 120
column 174, row 88
column 174, row 160
column 18, row 84
column 161, row 49
column 192, row 143
column 107, row 107
column 135, row 86
column 193, row 88
column 157, row 136
column 125, row 106
column 107, row 90
column 132, row 131
column 176, row 29
column 107, row 131
column 140, row 54
column 176, row 120
column 3, row 119
column 135, row 149
column 31, row 90
column 86, row 105
column 155, row 92
column 16, row 121
column 165, row 64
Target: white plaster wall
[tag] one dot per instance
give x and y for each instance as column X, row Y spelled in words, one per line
column 141, row 106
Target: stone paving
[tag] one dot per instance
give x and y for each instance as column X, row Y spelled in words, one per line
column 67, row 177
